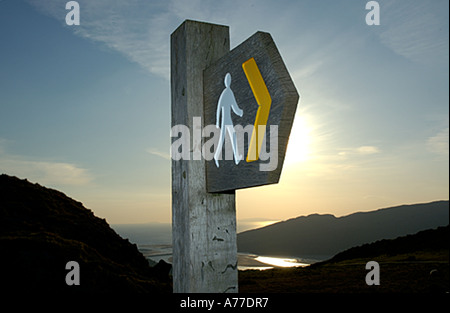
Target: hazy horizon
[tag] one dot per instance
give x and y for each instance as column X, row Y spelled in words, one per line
column 255, row 222
column 86, row 109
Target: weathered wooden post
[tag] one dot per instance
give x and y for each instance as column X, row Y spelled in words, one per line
column 203, row 224
column 207, row 82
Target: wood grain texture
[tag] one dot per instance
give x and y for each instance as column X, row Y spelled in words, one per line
column 203, row 224
column 284, row 96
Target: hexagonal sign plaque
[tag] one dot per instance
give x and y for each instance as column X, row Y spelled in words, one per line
column 249, row 104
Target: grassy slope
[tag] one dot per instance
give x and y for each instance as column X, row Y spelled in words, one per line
column 404, row 272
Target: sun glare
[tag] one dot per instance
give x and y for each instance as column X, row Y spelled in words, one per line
column 280, row 262
column 298, row 149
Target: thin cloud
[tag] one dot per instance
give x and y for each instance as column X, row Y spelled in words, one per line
column 137, row 29
column 367, row 150
column 141, row 29
column 439, row 143
column 2, row 145
column 416, row 30
column 51, row 173
column 362, row 150
column 158, row 153
column 44, row 172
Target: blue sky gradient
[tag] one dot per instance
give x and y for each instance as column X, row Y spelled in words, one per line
column 86, row 109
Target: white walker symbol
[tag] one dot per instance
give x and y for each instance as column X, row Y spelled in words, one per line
column 227, row 101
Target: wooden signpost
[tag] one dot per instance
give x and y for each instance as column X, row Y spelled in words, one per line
column 250, row 100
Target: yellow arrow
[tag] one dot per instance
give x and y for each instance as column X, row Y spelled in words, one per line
column 264, row 101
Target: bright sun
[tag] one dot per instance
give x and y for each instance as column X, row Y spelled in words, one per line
column 298, row 149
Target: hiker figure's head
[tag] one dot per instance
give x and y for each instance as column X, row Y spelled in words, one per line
column 227, row 80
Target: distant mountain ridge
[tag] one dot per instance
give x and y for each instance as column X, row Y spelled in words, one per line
column 324, row 235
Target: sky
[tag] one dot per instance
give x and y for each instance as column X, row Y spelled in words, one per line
column 86, row 109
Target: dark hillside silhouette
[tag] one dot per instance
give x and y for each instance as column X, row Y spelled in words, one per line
column 430, row 240
column 42, row 229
